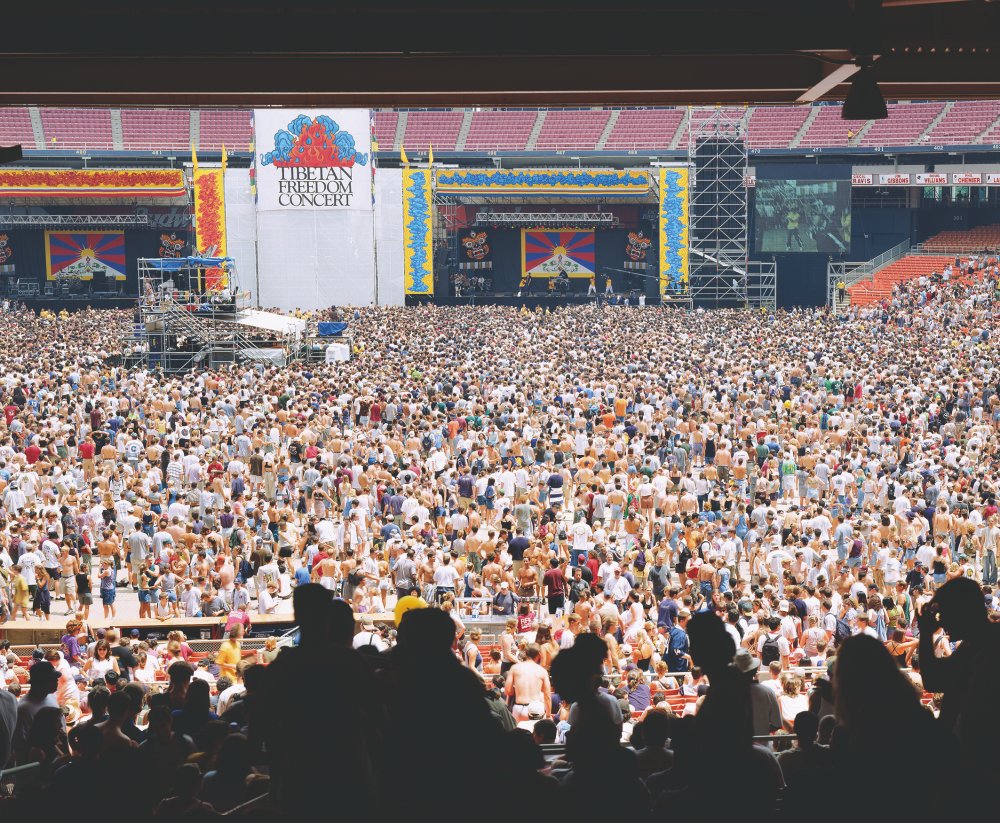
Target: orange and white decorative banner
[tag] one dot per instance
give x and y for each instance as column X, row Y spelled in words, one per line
column 210, row 218
column 92, row 183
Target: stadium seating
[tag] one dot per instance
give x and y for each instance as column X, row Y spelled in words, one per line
column 992, row 136
column 773, row 127
column 906, row 268
column 500, row 130
column 15, row 127
column 644, row 129
column 572, row 129
column 229, row 127
column 967, row 241
column 77, row 128
column 432, row 128
column 906, row 122
column 965, row 122
column 829, row 130
column 385, row 129
column 154, row 129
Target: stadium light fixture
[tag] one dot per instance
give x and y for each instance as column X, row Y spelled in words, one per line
column 864, row 99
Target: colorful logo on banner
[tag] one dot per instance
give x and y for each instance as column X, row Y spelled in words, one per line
column 80, row 256
column 313, row 160
column 418, row 248
column 637, row 246
column 476, row 247
column 171, row 245
column 6, row 252
column 547, row 253
column 673, row 230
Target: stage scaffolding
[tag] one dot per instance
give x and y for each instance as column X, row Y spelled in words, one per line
column 180, row 326
column 721, row 273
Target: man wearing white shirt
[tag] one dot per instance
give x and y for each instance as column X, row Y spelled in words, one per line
column 226, row 696
column 606, row 571
column 369, row 637
column 29, row 561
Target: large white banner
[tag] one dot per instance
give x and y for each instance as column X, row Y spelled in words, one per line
column 308, row 159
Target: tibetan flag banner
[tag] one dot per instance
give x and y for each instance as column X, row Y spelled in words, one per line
column 81, row 255
column 546, row 253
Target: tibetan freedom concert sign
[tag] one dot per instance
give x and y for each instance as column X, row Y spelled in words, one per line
column 308, row 159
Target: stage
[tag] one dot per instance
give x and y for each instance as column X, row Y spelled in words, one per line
column 546, row 301
column 74, row 303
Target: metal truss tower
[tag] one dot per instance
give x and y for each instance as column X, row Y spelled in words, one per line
column 721, row 273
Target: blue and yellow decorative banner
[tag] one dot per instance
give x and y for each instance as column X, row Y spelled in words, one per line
column 418, row 243
column 673, row 230
column 563, row 182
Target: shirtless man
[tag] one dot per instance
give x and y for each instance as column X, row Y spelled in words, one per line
column 528, row 683
column 108, row 547
column 69, row 567
column 326, row 573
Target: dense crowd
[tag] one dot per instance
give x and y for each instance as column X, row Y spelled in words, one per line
column 694, row 527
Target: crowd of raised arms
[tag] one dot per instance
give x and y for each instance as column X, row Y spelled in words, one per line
column 699, row 528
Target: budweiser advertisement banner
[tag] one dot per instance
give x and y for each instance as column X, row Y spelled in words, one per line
column 313, row 159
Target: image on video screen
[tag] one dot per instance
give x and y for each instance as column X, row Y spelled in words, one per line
column 803, row 216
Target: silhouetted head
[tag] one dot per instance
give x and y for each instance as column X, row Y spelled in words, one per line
column 44, row 678
column 712, row 647
column 656, row 729
column 806, row 727
column 340, row 623
column 875, row 702
column 962, row 608
column 576, row 670
column 311, row 603
column 425, row 632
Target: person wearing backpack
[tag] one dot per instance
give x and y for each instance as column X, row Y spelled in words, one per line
column 772, row 645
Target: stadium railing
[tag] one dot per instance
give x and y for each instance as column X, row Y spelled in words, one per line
column 852, row 273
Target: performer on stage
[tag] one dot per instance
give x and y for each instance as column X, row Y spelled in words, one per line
column 562, row 281
column 592, row 286
column 608, row 286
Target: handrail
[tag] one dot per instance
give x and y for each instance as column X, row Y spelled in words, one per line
column 257, row 802
column 852, row 273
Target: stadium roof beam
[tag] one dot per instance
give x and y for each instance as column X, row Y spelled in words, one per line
column 515, row 52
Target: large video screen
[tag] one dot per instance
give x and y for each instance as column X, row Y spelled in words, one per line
column 803, row 216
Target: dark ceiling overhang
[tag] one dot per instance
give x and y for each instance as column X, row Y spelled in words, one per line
column 515, row 52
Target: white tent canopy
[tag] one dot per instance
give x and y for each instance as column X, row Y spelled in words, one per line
column 290, row 326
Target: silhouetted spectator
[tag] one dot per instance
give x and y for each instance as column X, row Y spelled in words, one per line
column 969, row 678
column 318, row 745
